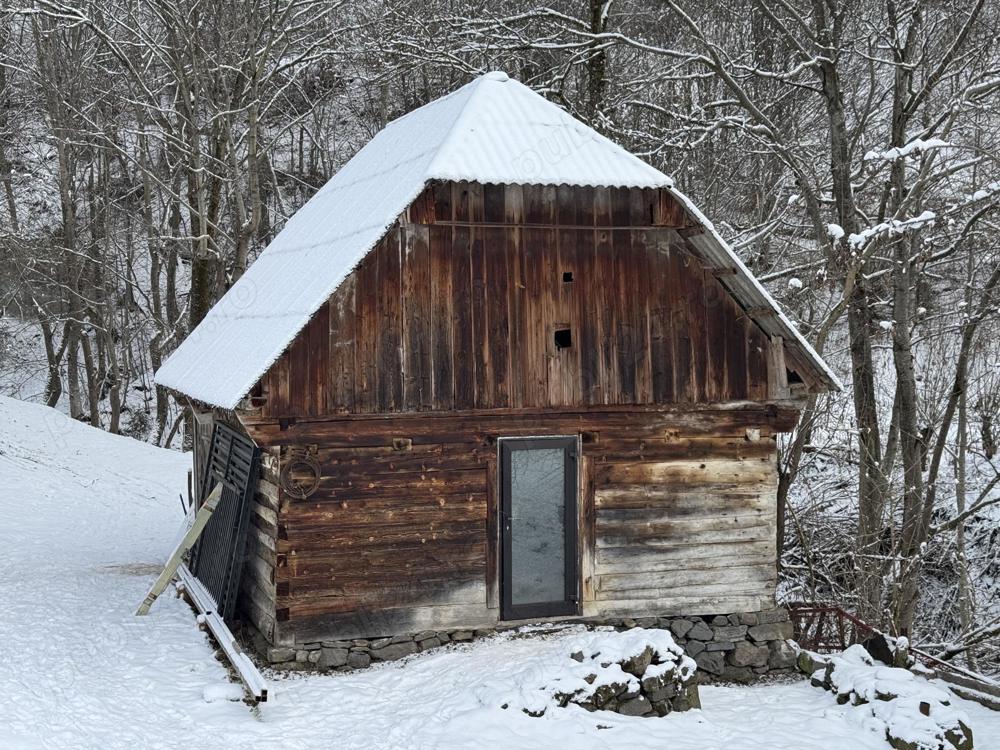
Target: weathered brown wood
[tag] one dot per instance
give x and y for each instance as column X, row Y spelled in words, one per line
column 389, row 375
column 378, row 513
column 267, row 493
column 456, row 306
column 268, row 515
column 664, row 532
column 375, row 622
column 592, row 386
column 341, row 347
column 466, row 353
column 363, row 463
column 661, row 340
column 535, row 333
column 606, row 300
column 330, row 595
column 442, row 341
column 301, row 535
column 367, row 331
column 629, row 559
column 257, row 608
column 648, row 504
column 757, row 354
column 643, row 298
column 627, row 272
column 416, row 291
column 640, row 449
column 476, row 426
column 430, row 593
column 423, row 519
column 677, row 292
column 700, row 573
column 691, row 473
column 777, row 372
column 724, row 599
column 730, row 534
column 442, row 347
column 441, row 556
column 497, row 348
column 717, row 387
column 403, row 484
column 721, row 589
column 492, row 534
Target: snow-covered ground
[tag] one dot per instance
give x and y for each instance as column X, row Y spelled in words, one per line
column 88, row 517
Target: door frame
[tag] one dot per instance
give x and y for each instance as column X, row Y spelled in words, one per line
column 570, row 604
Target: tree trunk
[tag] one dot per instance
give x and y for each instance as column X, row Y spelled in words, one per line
column 871, row 483
column 53, row 357
column 597, row 62
column 93, row 380
column 73, row 373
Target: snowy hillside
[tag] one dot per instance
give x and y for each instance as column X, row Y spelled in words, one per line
column 88, row 517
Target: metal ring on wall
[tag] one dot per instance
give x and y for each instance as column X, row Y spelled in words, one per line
column 301, row 463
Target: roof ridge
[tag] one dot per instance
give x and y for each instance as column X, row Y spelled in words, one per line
column 463, row 115
column 441, row 99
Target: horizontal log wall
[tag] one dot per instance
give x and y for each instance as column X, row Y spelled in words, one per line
column 257, row 594
column 257, row 600
column 686, row 535
column 402, row 535
column 458, row 308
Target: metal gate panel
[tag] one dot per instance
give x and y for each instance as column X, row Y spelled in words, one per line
column 217, row 560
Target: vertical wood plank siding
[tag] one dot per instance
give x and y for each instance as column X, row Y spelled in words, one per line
column 457, row 308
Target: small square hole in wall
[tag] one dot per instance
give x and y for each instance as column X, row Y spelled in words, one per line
column 567, row 277
column 564, row 338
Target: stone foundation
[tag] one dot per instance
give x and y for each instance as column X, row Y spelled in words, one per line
column 728, row 648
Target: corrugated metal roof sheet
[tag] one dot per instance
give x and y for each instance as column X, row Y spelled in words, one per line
column 493, row 130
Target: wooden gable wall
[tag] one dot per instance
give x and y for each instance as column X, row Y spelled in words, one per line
column 457, row 308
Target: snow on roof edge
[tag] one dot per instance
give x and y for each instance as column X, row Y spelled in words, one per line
column 333, row 287
column 801, row 340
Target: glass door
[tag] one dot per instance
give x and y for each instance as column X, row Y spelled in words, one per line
column 539, row 527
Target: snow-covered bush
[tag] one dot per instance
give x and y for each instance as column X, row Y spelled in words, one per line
column 912, row 713
column 637, row 672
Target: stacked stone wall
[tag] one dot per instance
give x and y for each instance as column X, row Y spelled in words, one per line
column 736, row 647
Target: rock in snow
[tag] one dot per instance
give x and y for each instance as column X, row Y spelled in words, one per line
column 636, row 672
column 912, row 713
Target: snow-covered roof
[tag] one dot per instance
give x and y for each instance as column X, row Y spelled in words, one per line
column 492, row 130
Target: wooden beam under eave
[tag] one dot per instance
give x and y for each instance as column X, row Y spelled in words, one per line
column 812, row 379
column 777, row 372
column 691, row 232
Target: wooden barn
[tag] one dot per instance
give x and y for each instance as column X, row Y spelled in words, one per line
column 497, row 369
